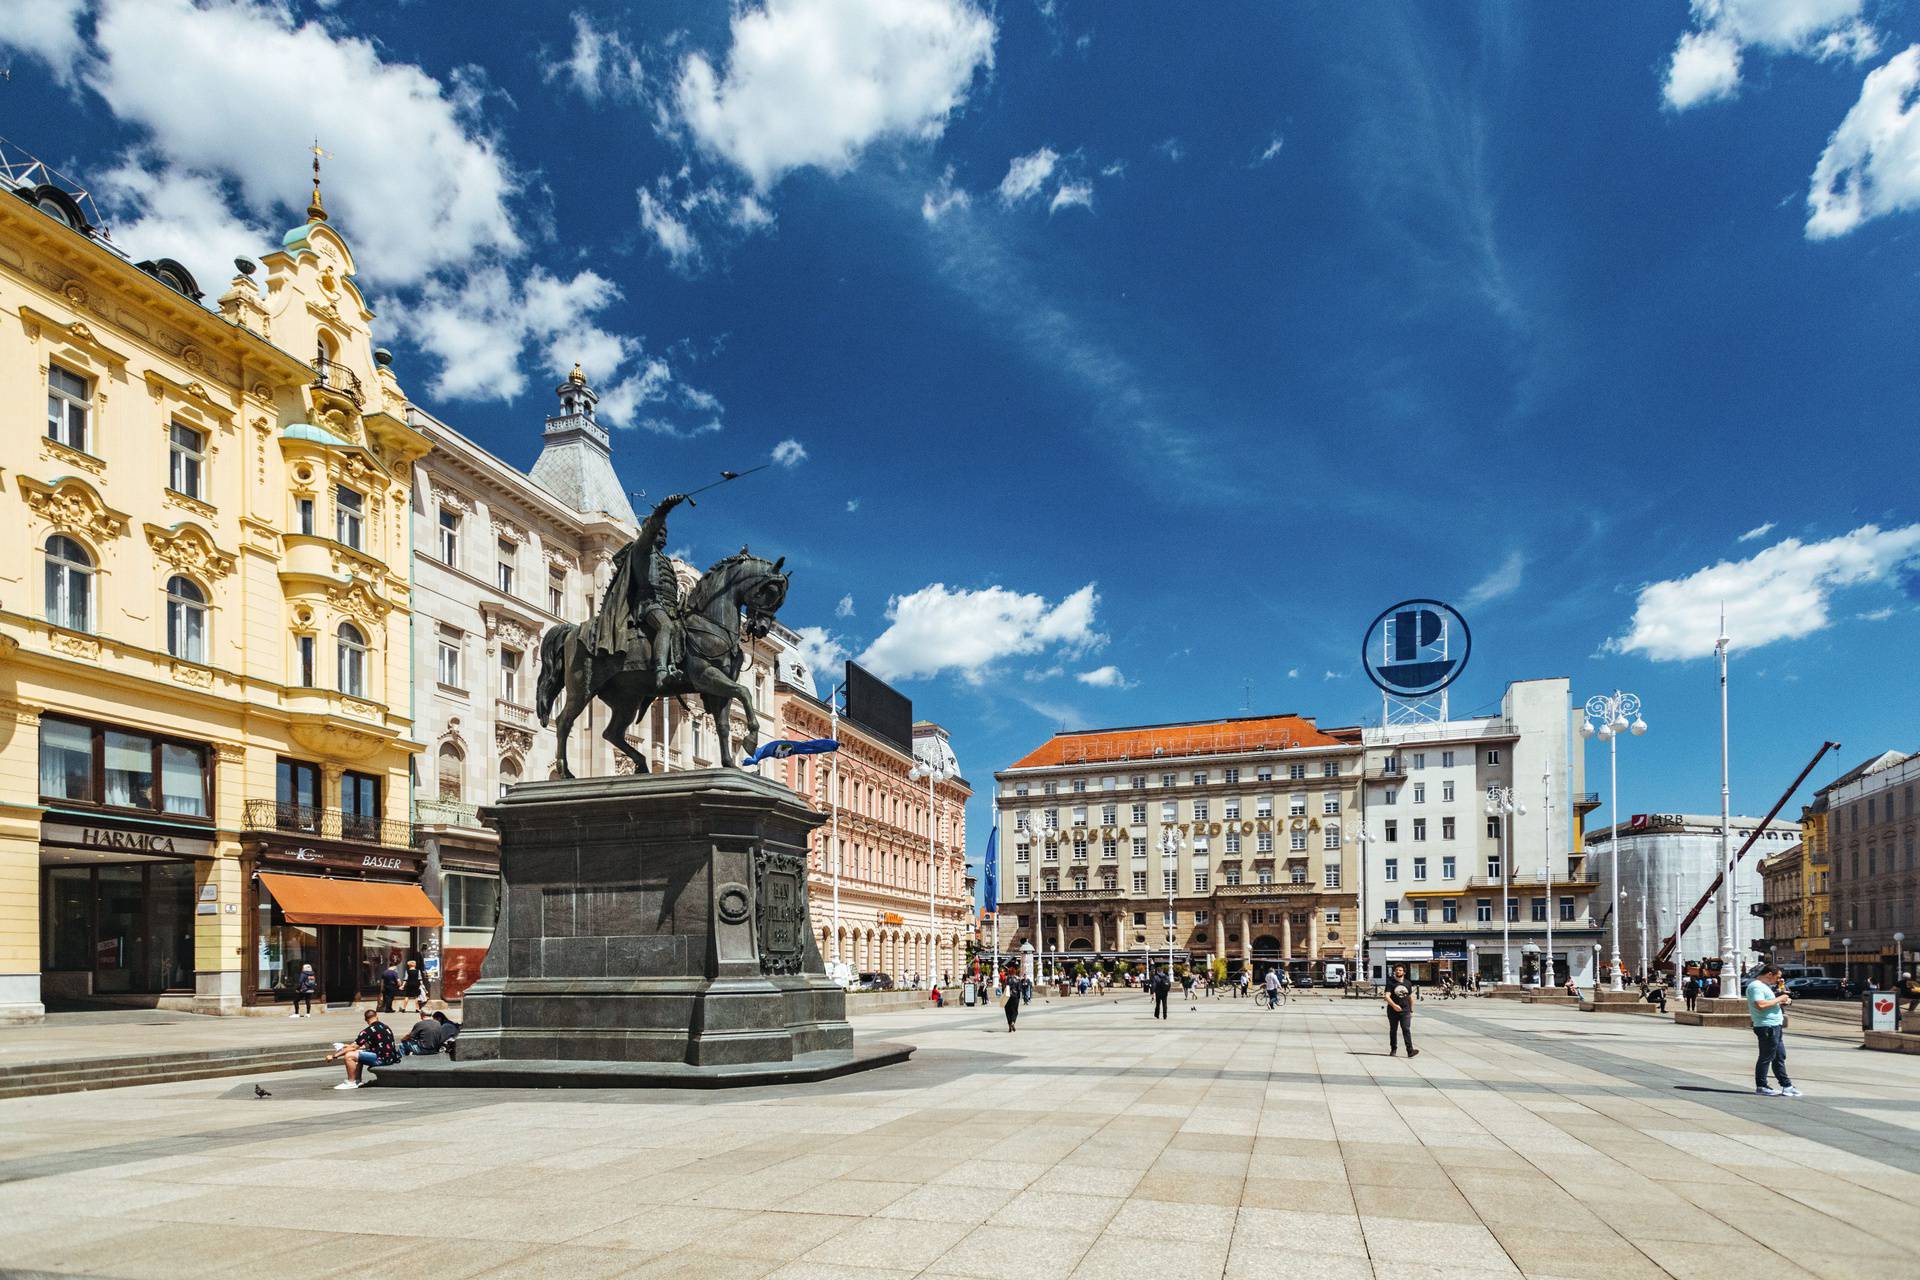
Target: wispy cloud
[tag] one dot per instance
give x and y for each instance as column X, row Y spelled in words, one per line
column 1271, row 150
column 1758, row 531
column 1107, row 677
column 1503, row 581
column 789, row 453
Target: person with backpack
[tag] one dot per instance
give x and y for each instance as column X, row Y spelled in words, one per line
column 1161, row 985
column 305, row 987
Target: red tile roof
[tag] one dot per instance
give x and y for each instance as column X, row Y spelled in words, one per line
column 1192, row 738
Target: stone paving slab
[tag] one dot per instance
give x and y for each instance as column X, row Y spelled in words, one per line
column 1525, row 1140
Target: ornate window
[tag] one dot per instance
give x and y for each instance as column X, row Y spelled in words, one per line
column 453, row 772
column 510, row 674
column 352, row 658
column 349, row 515
column 186, row 619
column 449, row 536
column 69, row 408
column 69, row 584
column 186, row 462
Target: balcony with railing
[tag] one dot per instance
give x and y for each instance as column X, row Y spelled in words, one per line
column 337, row 378
column 445, row 813
column 328, row 824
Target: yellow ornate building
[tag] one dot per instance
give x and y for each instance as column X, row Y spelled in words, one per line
column 204, row 622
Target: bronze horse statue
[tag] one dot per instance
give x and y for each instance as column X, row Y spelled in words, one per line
column 737, row 597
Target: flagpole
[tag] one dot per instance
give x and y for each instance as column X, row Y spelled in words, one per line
column 833, row 731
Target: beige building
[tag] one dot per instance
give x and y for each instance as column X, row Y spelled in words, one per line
column 205, row 625
column 877, row 915
column 1234, row 832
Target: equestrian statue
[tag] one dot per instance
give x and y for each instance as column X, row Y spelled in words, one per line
column 647, row 642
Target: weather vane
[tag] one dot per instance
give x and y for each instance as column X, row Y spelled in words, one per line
column 317, row 210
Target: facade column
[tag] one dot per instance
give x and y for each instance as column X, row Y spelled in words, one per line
column 1286, row 934
column 20, row 999
column 1219, row 937
column 1059, row 933
column 1313, row 932
column 1097, row 939
column 1246, row 940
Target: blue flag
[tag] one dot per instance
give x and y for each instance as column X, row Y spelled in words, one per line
column 781, row 748
column 991, row 897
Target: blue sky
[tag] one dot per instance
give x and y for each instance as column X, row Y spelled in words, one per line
column 1124, row 364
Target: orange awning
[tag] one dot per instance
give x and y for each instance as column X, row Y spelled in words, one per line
column 317, row 900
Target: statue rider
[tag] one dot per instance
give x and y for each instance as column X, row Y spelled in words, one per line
column 642, row 598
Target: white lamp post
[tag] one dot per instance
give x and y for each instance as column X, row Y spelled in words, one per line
column 934, row 774
column 1546, row 818
column 1729, row 894
column 1169, row 875
column 1612, row 711
column 1360, row 953
column 833, row 731
column 1500, row 802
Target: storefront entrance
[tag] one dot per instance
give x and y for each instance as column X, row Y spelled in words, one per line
column 348, row 930
column 117, row 928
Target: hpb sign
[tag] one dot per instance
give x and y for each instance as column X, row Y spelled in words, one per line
column 1413, row 655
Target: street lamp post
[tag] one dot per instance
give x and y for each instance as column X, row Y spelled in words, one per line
column 934, row 774
column 1729, row 894
column 1846, row 951
column 1169, row 875
column 1500, row 801
column 1546, row 818
column 1899, row 955
column 1360, row 953
column 833, row 731
column 1612, row 711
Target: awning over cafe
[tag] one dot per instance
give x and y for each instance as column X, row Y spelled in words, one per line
column 318, row 900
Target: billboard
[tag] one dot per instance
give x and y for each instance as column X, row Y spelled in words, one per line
column 1423, row 648
column 878, row 707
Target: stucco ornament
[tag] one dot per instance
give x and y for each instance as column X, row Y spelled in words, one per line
column 71, row 505
column 189, row 548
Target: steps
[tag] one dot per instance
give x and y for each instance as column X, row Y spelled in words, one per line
column 82, row 1074
column 1605, row 1001
column 1714, row 1011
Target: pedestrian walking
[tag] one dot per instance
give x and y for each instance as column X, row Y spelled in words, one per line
column 1013, row 1005
column 414, row 986
column 305, row 985
column 1766, row 1008
column 1272, row 985
column 373, row 1047
column 1186, row 986
column 389, row 987
column 1909, row 991
column 1400, row 1012
column 1690, row 991
column 1161, row 985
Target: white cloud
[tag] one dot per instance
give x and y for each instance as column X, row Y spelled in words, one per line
column 1705, row 65
column 940, row 628
column 1331, row 674
column 45, row 29
column 789, row 452
column 1069, row 194
column 1875, row 615
column 944, row 198
column 183, row 216
column 416, row 181
column 1758, row 531
column 1293, row 673
column 1504, row 580
column 845, row 608
column 1172, row 150
column 1107, row 677
column 814, row 82
column 1871, row 165
column 1781, row 593
column 1027, row 174
column 1272, row 150
column 601, row 65
column 669, row 232
column 823, row 652
column 853, row 505
column 1117, row 169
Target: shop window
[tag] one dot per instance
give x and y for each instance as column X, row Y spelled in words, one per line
column 66, row 760
column 472, row 902
column 97, row 765
column 186, row 619
column 69, row 584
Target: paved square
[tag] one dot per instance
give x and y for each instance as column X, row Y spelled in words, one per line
column 1095, row 1142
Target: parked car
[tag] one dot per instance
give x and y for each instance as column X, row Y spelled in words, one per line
column 1816, row 989
column 874, row 982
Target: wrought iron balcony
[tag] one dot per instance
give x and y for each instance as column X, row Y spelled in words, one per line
column 334, row 376
column 328, row 824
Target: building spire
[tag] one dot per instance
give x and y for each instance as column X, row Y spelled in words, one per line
column 316, row 211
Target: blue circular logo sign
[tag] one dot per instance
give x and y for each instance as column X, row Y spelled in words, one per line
column 1416, row 648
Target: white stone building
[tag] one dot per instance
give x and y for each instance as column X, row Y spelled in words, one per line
column 1443, row 891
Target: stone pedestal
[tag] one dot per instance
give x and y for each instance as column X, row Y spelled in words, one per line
column 1715, row 1011
column 1605, row 1000
column 651, row 920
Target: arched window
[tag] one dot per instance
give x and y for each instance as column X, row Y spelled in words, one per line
column 352, row 659
column 186, row 619
column 69, row 584
column 509, row 776
column 453, row 772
